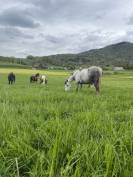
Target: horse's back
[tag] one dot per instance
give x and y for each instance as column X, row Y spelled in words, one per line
column 95, row 70
column 43, row 77
column 11, row 76
column 88, row 75
column 84, row 76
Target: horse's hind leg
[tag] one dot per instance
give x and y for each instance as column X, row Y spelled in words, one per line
column 96, row 85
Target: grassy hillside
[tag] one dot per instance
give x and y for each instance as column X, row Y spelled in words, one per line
column 47, row 132
column 120, row 54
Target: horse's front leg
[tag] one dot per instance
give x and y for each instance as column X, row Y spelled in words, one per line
column 41, row 81
column 81, row 86
column 78, row 86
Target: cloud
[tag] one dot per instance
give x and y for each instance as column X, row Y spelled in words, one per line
column 44, row 27
column 130, row 20
column 18, row 18
column 11, row 33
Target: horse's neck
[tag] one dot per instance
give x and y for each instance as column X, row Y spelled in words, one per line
column 71, row 78
column 77, row 75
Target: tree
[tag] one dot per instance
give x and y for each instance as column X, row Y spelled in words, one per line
column 30, row 57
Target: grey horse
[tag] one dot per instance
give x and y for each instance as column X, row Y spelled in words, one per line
column 89, row 76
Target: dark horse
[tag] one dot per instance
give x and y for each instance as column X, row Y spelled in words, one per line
column 34, row 78
column 11, row 78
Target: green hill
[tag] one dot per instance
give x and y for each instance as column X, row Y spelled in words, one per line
column 120, row 54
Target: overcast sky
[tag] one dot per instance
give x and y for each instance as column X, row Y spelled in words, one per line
column 44, row 27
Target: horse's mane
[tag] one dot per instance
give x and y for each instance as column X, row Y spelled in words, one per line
column 75, row 71
column 37, row 74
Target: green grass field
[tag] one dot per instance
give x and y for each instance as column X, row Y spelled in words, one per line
column 47, row 132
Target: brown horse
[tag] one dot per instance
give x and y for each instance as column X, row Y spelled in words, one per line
column 34, row 78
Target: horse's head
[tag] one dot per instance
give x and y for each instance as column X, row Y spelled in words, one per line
column 70, row 79
column 68, row 82
column 67, row 85
column 37, row 75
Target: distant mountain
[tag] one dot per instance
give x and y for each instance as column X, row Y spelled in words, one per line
column 120, row 54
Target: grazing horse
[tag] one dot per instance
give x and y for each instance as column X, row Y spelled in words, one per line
column 43, row 79
column 89, row 76
column 11, row 78
column 34, row 78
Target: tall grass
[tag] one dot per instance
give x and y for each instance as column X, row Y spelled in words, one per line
column 45, row 131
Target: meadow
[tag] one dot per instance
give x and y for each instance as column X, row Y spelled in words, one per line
column 47, row 132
